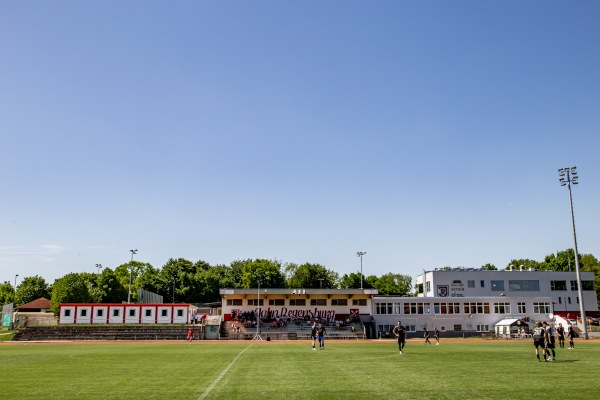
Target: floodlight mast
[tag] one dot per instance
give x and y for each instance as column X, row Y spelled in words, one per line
column 130, row 271
column 361, row 254
column 569, row 176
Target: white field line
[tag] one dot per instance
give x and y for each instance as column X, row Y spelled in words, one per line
column 212, row 385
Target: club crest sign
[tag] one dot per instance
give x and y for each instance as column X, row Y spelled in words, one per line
column 442, row 290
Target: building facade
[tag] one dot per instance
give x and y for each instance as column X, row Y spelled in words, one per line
column 475, row 300
column 294, row 304
column 103, row 313
column 560, row 287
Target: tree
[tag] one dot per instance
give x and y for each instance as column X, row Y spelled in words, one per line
column 108, row 287
column 527, row 263
column 308, row 275
column 178, row 275
column 71, row 288
column 352, row 281
column 490, row 267
column 267, row 272
column 393, row 284
column 131, row 271
column 31, row 288
column 7, row 293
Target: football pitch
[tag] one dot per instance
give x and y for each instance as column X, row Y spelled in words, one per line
column 456, row 369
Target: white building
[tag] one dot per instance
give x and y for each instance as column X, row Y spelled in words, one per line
column 467, row 299
column 560, row 286
column 104, row 313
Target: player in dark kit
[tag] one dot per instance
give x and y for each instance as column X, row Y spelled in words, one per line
column 571, row 335
column 538, row 340
column 436, row 335
column 321, row 337
column 549, row 341
column 400, row 333
column 426, row 335
column 313, row 334
column 560, row 331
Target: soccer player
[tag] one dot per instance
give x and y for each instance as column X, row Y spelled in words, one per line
column 549, row 341
column 400, row 333
column 313, row 334
column 560, row 331
column 190, row 335
column 426, row 335
column 321, row 337
column 538, row 340
column 571, row 334
column 436, row 335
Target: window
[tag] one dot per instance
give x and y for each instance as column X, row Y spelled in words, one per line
column 297, row 302
column 384, row 308
column 482, row 328
column 524, row 286
column 339, row 302
column 558, row 285
column 83, row 313
column 163, row 313
column 521, row 308
column 541, row 308
column 457, row 328
column 132, row 312
column 411, row 328
column 148, row 313
column 427, row 286
column 569, row 300
column 256, row 302
column 585, row 285
column 180, row 313
column 67, row 313
column 502, row 308
column 446, row 308
column 477, row 308
column 234, row 302
column 99, row 313
column 497, row 286
column 471, row 284
column 482, row 284
column 318, row 302
column 413, row 308
column 116, row 313
column 359, row 302
column 277, row 302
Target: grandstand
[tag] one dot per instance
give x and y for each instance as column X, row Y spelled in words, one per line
column 292, row 330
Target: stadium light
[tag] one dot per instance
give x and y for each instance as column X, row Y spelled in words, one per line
column 361, row 254
column 130, row 271
column 99, row 266
column 257, row 336
column 15, row 291
column 569, row 176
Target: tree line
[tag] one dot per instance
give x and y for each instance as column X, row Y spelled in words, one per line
column 184, row 281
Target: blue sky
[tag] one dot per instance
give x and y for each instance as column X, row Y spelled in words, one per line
column 425, row 133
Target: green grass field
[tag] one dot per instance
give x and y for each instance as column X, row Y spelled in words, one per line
column 290, row 370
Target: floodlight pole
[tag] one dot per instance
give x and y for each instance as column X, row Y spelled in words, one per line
column 174, row 279
column 99, row 266
column 15, row 291
column 361, row 254
column 257, row 336
column 130, row 272
column 569, row 176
